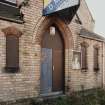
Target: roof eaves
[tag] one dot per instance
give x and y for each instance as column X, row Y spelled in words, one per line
column 91, row 35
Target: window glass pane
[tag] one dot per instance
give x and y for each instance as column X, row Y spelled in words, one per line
column 12, row 53
column 84, row 57
column 96, row 65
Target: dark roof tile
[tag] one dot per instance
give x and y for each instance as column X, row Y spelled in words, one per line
column 88, row 34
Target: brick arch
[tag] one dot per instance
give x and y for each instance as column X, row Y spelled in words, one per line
column 63, row 28
column 84, row 44
column 11, row 30
column 96, row 46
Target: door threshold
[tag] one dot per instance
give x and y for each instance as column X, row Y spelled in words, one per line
column 51, row 94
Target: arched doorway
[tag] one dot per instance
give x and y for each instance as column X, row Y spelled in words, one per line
column 52, row 63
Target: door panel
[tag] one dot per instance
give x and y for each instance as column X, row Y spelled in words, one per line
column 58, row 70
column 46, row 71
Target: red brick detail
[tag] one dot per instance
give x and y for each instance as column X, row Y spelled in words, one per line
column 12, row 31
column 63, row 28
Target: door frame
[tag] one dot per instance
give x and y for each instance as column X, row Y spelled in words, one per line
column 42, row 25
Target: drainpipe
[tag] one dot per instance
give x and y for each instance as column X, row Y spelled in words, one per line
column 103, row 64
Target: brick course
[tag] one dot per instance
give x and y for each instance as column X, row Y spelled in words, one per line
column 26, row 83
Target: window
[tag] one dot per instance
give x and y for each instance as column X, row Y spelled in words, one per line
column 12, row 48
column 84, row 56
column 96, row 59
column 76, row 61
column 10, row 11
column 12, row 54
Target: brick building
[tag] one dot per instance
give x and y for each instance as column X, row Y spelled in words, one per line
column 46, row 55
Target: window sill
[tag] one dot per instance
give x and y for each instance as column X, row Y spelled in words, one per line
column 11, row 69
column 84, row 69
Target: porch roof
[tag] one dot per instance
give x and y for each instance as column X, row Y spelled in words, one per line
column 52, row 6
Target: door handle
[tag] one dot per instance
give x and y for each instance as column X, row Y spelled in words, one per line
column 53, row 67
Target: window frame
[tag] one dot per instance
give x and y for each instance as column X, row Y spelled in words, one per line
column 8, row 68
column 11, row 12
column 78, row 54
column 85, row 45
column 96, row 61
column 17, row 33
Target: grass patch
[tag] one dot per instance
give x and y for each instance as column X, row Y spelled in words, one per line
column 95, row 98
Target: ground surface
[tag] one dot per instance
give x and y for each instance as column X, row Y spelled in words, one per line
column 95, row 98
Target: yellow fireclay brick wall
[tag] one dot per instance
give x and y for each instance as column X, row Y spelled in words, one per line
column 26, row 83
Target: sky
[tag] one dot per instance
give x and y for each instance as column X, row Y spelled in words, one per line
column 97, row 9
